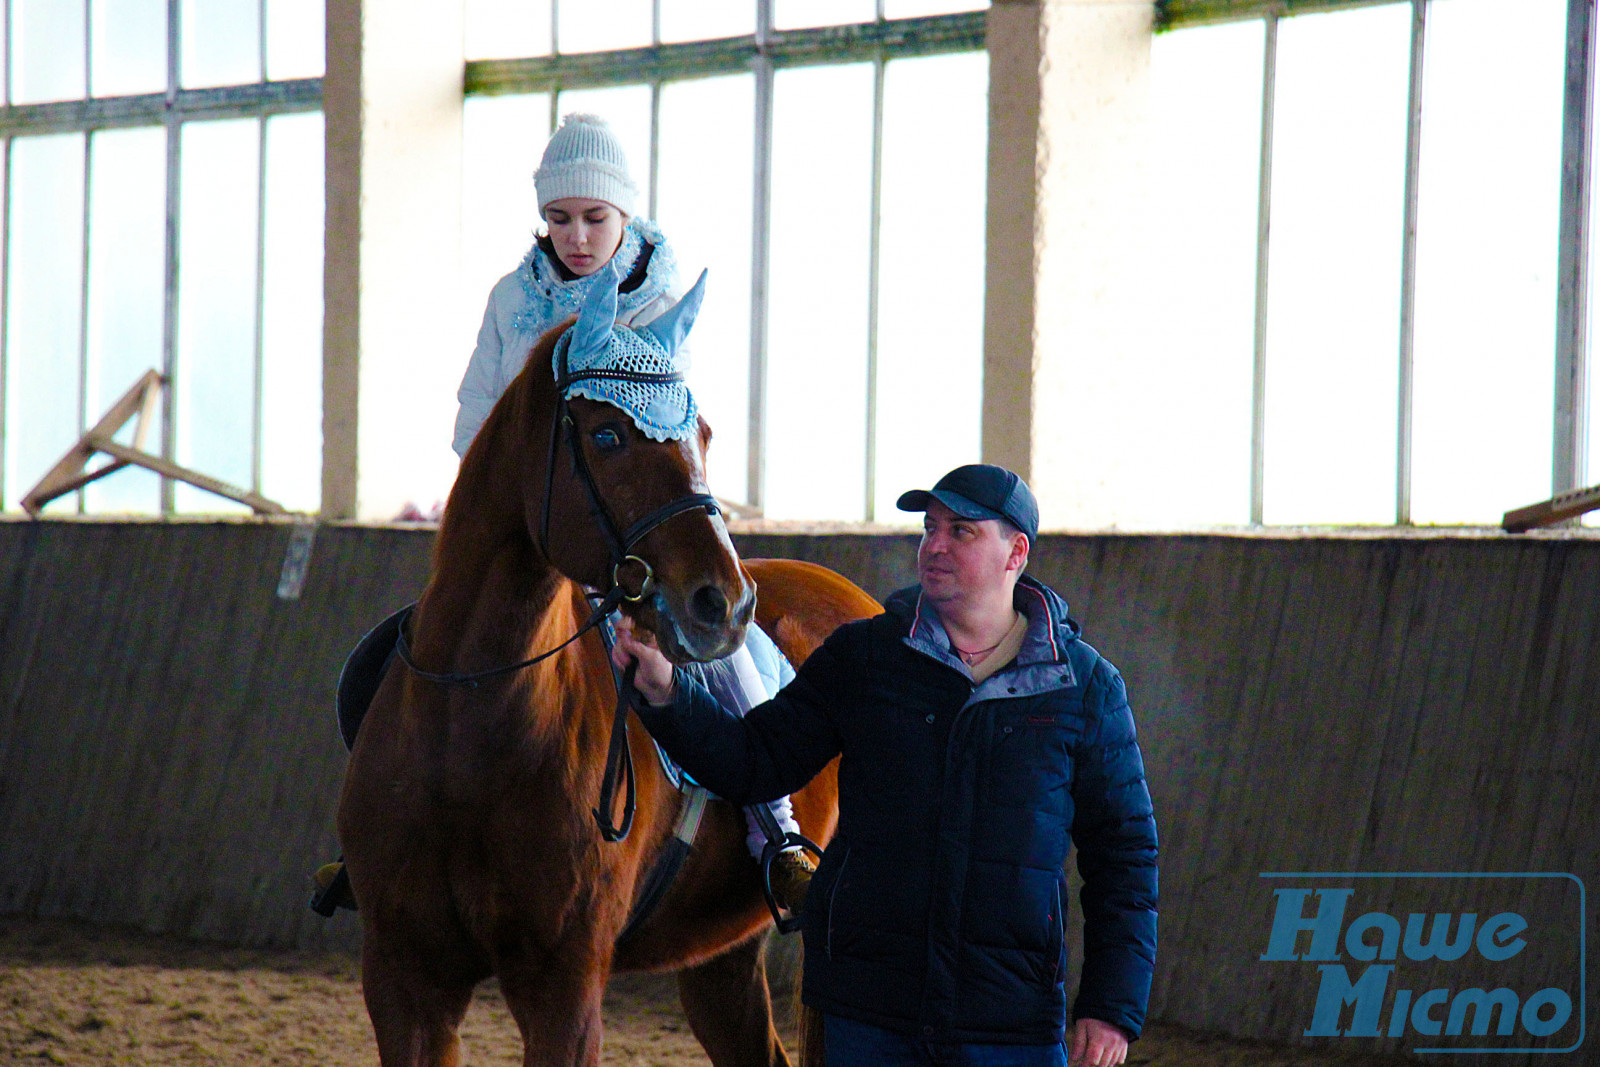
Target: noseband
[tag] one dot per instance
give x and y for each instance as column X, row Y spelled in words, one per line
column 620, row 542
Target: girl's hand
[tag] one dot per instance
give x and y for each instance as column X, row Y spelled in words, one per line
column 654, row 679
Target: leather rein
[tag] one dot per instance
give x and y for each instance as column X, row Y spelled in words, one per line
column 620, row 542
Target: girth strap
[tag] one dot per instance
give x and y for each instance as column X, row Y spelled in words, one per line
column 670, row 861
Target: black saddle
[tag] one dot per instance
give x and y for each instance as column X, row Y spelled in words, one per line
column 363, row 670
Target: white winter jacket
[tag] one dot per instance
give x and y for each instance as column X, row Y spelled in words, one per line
column 534, row 297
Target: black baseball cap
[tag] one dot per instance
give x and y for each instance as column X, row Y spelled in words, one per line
column 981, row 491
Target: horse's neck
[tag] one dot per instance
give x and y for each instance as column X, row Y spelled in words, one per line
column 490, row 588
column 494, row 599
column 482, row 592
column 490, row 583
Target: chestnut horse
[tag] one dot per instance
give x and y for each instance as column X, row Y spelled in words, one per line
column 466, row 813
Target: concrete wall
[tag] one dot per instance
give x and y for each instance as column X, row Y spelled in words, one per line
column 1418, row 704
column 168, row 753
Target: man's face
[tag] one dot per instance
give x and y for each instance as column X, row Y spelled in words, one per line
column 965, row 559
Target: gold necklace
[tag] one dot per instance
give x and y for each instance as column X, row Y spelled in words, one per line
column 980, row 652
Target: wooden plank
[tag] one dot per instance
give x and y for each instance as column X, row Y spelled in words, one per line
column 68, row 474
column 142, row 401
column 255, row 501
column 1548, row 512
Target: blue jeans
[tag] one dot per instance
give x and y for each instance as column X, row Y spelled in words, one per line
column 855, row 1044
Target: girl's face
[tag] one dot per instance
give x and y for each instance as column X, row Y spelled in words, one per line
column 585, row 232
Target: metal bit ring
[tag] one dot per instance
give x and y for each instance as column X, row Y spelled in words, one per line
column 646, row 587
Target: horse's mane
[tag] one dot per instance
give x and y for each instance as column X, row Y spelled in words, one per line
column 479, row 493
column 485, row 518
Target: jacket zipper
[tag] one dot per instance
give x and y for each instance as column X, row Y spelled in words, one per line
column 1061, row 932
column 834, row 896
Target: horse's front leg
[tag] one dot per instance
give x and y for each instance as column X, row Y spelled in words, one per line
column 555, row 997
column 730, row 1008
column 415, row 1011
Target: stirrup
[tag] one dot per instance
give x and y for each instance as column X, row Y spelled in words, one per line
column 333, row 889
column 787, row 924
column 791, row 879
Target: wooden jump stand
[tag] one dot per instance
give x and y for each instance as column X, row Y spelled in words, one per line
column 141, row 402
column 1546, row 512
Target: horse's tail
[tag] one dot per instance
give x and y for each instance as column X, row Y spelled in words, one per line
column 808, row 1021
column 813, row 1052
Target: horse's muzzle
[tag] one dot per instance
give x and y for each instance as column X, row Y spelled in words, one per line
column 709, row 607
column 709, row 626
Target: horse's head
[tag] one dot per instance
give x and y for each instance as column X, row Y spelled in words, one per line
column 624, row 498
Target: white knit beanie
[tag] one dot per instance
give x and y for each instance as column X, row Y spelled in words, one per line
column 584, row 158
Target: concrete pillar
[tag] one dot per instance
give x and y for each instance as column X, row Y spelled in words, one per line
column 393, row 347
column 1011, row 239
column 1065, row 292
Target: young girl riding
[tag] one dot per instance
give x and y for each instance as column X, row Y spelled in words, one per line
column 588, row 202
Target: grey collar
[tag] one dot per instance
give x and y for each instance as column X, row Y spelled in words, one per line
column 1041, row 664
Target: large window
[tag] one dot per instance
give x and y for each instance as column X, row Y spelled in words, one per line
column 826, row 162
column 1370, row 281
column 1362, row 252
column 162, row 209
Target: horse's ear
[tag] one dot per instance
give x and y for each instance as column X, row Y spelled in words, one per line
column 591, row 334
column 672, row 326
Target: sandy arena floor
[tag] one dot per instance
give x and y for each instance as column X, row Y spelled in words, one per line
column 86, row 995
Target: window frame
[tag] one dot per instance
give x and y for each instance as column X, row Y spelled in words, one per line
column 768, row 50
column 169, row 109
column 761, row 54
column 1572, row 417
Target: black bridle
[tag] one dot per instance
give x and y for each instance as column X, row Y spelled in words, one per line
column 620, row 542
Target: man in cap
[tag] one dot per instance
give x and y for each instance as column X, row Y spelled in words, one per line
column 979, row 738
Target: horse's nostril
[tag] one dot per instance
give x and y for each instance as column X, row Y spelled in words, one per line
column 709, row 605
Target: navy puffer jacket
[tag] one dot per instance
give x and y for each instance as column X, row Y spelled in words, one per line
column 937, row 908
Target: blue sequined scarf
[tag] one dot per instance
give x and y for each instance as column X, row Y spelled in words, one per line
column 548, row 298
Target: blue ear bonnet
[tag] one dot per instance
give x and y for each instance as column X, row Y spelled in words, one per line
column 662, row 410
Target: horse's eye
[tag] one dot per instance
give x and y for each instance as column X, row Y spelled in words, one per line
column 606, row 439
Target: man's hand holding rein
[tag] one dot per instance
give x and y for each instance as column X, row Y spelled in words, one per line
column 655, row 679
